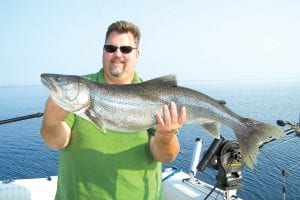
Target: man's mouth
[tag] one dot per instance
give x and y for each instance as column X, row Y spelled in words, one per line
column 117, row 61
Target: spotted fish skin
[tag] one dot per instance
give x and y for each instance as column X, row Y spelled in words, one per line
column 132, row 107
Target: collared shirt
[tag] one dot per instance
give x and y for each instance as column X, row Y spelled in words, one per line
column 111, row 165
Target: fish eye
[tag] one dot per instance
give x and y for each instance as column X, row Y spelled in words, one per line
column 58, row 79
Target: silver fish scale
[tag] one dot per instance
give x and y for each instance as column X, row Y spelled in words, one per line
column 125, row 114
column 198, row 110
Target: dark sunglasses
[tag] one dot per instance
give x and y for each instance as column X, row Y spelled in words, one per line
column 123, row 49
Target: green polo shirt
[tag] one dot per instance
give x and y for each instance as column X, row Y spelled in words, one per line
column 111, row 165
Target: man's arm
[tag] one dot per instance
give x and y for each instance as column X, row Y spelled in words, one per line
column 164, row 146
column 55, row 132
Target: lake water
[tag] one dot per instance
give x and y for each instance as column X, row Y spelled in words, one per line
column 24, row 155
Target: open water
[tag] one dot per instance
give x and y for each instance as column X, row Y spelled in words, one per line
column 24, row 155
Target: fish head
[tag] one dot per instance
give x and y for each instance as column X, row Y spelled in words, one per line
column 68, row 91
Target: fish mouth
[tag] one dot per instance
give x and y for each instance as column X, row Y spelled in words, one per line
column 46, row 80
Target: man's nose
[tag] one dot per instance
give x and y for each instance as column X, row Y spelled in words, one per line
column 118, row 52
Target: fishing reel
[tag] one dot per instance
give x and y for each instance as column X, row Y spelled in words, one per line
column 225, row 157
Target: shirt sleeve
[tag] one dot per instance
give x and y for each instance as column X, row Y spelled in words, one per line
column 70, row 119
column 151, row 131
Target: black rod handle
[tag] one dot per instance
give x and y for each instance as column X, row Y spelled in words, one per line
column 25, row 117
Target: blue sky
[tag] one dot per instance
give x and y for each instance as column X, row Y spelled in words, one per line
column 196, row 40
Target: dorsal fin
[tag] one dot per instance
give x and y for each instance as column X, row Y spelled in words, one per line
column 168, row 80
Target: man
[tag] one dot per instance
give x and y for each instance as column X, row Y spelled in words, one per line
column 112, row 165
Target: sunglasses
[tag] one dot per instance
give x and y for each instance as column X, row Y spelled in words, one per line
column 123, row 49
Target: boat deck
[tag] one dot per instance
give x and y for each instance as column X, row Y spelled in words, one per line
column 180, row 186
column 29, row 189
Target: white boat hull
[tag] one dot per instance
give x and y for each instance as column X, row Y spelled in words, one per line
column 174, row 188
column 29, row 189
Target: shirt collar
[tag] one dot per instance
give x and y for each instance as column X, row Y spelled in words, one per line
column 136, row 78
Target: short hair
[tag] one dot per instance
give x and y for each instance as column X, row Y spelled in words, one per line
column 125, row 27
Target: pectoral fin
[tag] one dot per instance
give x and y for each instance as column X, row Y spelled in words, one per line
column 95, row 120
column 212, row 128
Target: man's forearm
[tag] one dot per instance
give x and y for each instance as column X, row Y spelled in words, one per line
column 56, row 136
column 164, row 148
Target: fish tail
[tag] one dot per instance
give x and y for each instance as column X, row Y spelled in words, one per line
column 252, row 135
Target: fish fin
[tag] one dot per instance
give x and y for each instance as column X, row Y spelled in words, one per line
column 212, row 128
column 95, row 120
column 168, row 80
column 254, row 134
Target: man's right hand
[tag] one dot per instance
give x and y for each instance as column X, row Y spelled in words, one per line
column 53, row 113
column 56, row 133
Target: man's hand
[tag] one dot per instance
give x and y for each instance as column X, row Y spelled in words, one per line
column 53, row 114
column 170, row 122
column 164, row 145
column 55, row 132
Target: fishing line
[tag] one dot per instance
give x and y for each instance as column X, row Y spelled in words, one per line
column 272, row 147
column 283, row 172
column 288, row 140
column 293, row 166
column 281, row 143
column 276, row 165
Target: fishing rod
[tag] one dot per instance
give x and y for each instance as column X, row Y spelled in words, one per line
column 25, row 117
column 294, row 128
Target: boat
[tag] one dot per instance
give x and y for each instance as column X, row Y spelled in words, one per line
column 28, row 189
column 222, row 155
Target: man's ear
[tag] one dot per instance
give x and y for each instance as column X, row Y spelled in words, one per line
column 137, row 53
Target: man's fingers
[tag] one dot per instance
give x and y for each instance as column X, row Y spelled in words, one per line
column 182, row 116
column 159, row 120
column 174, row 115
column 167, row 116
column 170, row 117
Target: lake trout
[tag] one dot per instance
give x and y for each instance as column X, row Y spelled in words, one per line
column 132, row 107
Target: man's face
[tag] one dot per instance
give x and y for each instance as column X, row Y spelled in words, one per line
column 118, row 64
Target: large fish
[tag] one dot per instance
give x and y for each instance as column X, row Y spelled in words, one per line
column 133, row 107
